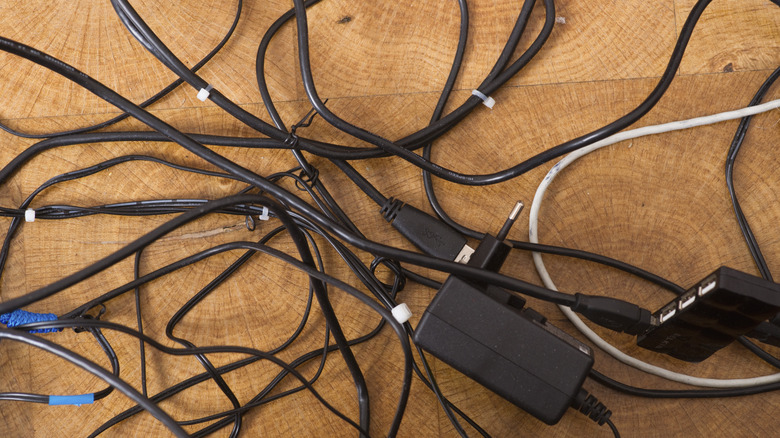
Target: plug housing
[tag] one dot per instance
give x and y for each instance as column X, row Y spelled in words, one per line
column 512, row 351
column 613, row 313
column 487, row 334
column 426, row 232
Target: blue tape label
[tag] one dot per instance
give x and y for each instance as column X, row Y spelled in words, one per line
column 78, row 400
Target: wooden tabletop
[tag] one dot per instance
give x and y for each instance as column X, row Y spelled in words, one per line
column 656, row 202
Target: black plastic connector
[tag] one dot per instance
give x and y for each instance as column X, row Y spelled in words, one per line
column 766, row 332
column 490, row 254
column 590, row 406
column 489, row 335
column 426, row 232
column 613, row 313
column 511, row 350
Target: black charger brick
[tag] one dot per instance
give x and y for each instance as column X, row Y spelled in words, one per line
column 485, row 333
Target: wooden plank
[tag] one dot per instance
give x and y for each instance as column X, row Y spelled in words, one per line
column 733, row 36
column 659, row 203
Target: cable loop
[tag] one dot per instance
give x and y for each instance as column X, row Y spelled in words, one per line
column 85, row 315
column 399, row 282
column 292, row 140
column 249, row 221
column 311, row 178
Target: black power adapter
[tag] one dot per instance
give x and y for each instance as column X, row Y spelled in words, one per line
column 489, row 335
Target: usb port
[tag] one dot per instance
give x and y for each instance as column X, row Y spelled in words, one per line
column 707, row 287
column 667, row 313
column 687, row 299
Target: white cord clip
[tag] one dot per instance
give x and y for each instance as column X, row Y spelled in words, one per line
column 29, row 215
column 401, row 313
column 486, row 100
column 204, row 93
column 264, row 215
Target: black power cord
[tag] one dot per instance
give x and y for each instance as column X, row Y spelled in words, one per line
column 157, row 97
column 86, row 364
column 300, row 219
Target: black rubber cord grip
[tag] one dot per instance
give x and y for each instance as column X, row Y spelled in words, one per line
column 426, row 232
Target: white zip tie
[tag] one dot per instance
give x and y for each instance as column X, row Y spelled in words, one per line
column 401, row 313
column 29, row 215
column 204, row 93
column 264, row 215
column 486, row 100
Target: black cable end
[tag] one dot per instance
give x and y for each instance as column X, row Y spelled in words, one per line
column 613, row 314
column 591, row 406
column 390, row 209
column 426, row 232
column 767, row 332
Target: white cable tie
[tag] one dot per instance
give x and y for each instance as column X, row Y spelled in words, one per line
column 264, row 215
column 401, row 313
column 486, row 100
column 204, row 93
column 29, row 215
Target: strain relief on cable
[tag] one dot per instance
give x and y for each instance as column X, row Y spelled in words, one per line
column 390, row 209
column 613, row 313
column 426, row 232
column 592, row 407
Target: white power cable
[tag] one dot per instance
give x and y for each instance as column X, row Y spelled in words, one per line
column 573, row 317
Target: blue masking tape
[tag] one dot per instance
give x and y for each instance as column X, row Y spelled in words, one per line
column 78, row 400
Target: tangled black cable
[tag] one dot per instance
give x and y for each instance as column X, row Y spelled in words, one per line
column 311, row 222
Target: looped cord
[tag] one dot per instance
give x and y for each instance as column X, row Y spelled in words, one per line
column 250, row 223
column 310, row 177
column 399, row 282
column 85, row 315
column 102, row 310
column 292, row 140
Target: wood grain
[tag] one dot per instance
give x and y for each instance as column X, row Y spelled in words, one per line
column 659, row 202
